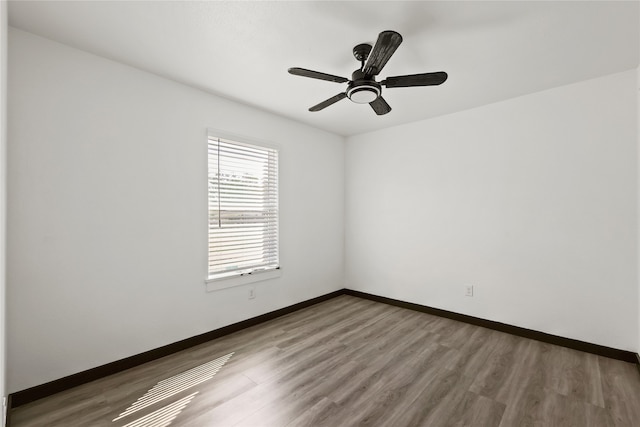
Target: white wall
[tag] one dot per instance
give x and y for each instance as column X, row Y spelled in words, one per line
column 107, row 211
column 531, row 200
column 3, row 145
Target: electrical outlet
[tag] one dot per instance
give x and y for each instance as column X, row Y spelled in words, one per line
column 468, row 291
column 252, row 293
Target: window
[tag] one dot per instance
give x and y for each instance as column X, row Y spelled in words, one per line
column 243, row 208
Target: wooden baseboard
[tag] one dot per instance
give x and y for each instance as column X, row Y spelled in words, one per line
column 587, row 347
column 7, row 415
column 34, row 393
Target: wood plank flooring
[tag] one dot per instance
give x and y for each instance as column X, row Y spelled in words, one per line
column 354, row 362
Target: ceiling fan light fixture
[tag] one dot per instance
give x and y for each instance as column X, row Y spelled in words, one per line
column 363, row 87
column 363, row 94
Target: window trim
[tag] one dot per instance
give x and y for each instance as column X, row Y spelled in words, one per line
column 245, row 279
column 239, row 278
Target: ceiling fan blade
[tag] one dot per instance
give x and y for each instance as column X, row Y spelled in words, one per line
column 326, row 103
column 317, row 75
column 380, row 106
column 425, row 79
column 388, row 42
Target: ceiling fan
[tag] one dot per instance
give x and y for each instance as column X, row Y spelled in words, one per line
column 363, row 87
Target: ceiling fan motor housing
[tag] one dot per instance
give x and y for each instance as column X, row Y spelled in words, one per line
column 363, row 89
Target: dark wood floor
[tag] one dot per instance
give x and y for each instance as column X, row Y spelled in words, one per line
column 350, row 361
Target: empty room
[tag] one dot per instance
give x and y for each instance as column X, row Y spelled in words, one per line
column 203, row 224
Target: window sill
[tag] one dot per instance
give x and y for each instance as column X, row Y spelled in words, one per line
column 216, row 284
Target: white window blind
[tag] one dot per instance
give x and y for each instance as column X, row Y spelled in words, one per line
column 243, row 208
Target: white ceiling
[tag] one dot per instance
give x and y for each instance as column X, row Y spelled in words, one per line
column 242, row 50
